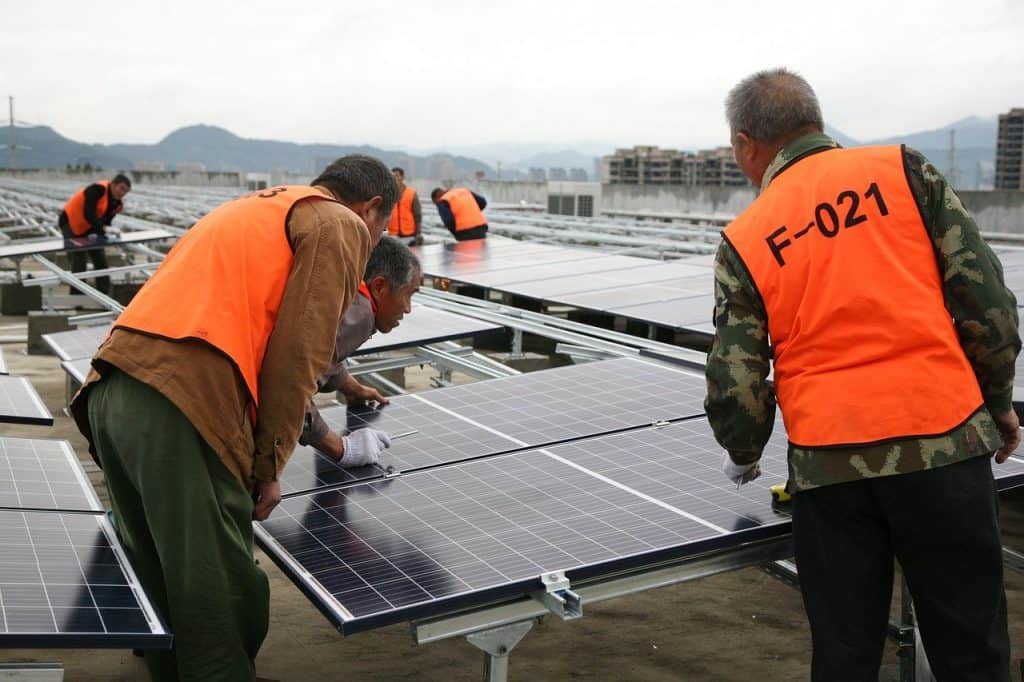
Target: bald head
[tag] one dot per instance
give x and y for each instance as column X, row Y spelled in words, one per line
column 773, row 107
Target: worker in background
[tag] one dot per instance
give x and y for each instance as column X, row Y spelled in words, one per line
column 385, row 296
column 894, row 343
column 196, row 399
column 461, row 211
column 87, row 214
column 407, row 218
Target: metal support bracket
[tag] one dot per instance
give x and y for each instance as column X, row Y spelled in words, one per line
column 557, row 596
column 496, row 644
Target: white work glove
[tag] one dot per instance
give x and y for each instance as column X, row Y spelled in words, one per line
column 363, row 447
column 739, row 473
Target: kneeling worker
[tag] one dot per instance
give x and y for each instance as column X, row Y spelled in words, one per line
column 462, row 212
column 385, row 296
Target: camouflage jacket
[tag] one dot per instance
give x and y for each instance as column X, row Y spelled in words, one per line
column 741, row 402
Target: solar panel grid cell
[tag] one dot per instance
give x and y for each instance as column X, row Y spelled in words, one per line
column 43, row 474
column 20, row 404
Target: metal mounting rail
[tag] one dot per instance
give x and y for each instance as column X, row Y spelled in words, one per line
column 72, row 281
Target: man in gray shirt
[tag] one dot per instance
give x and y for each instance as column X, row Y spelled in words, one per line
column 392, row 276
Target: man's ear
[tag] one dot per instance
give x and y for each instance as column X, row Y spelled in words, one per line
column 379, row 287
column 745, row 147
column 373, row 203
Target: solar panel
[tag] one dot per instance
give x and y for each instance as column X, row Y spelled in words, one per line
column 467, row 533
column 309, row 470
column 16, row 249
column 65, row 582
column 3, row 363
column 576, row 400
column 618, row 297
column 499, row 415
column 426, row 325
column 506, row 278
column 602, row 281
column 43, row 474
column 436, row 436
column 20, row 404
column 77, row 369
column 77, row 343
column 695, row 312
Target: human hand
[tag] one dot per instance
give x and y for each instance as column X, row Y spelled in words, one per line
column 739, row 473
column 1008, row 424
column 268, row 495
column 363, row 447
column 360, row 393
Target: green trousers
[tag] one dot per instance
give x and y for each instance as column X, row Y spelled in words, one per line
column 186, row 524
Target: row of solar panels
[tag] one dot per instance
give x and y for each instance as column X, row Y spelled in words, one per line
column 585, row 470
column 674, row 294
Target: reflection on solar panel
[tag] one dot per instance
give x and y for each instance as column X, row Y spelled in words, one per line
column 20, row 404
column 426, row 325
column 77, row 343
column 43, row 474
column 3, row 364
column 308, row 470
column 637, row 288
column 466, row 533
column 64, row 582
column 17, row 249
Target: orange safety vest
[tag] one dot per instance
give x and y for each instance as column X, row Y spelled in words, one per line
column 865, row 350
column 403, row 223
column 465, row 209
column 223, row 281
column 75, row 209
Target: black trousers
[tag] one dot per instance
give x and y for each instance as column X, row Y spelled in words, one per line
column 99, row 262
column 943, row 526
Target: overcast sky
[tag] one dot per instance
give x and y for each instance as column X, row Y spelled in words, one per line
column 446, row 73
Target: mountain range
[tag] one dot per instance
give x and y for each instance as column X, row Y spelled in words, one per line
column 221, row 150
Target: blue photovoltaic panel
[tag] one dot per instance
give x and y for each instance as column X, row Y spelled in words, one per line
column 20, row 404
column 43, row 474
column 465, row 533
column 447, row 538
column 65, row 582
column 500, row 415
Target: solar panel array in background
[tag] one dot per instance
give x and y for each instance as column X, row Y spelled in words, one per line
column 676, row 294
column 424, row 326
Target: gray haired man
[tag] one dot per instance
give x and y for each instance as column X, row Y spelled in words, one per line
column 392, row 276
column 894, row 342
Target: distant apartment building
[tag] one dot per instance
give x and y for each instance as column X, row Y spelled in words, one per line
column 578, row 175
column 536, row 174
column 1010, row 150
column 650, row 165
column 557, row 174
column 149, row 165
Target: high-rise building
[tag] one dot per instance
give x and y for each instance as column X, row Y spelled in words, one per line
column 649, row 165
column 1010, row 150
